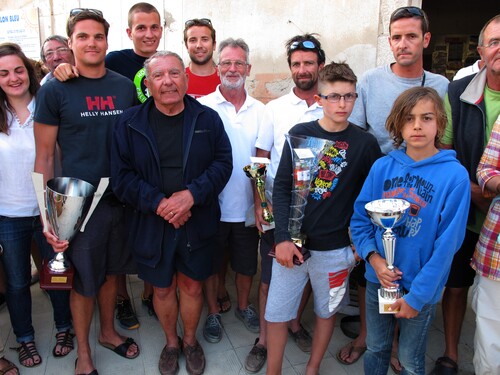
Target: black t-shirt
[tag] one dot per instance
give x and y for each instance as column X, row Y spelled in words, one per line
column 131, row 65
column 334, row 188
column 168, row 134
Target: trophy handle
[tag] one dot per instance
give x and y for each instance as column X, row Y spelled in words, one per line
column 39, row 186
column 103, row 184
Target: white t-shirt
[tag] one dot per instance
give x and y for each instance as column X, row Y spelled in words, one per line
column 242, row 128
column 280, row 115
column 17, row 155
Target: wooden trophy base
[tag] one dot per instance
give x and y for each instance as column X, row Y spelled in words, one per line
column 50, row 280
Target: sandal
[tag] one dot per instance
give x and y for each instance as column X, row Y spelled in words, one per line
column 64, row 340
column 9, row 366
column 28, row 351
column 359, row 350
column 222, row 301
column 445, row 366
column 122, row 349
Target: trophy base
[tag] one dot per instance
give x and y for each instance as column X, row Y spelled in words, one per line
column 51, row 280
column 266, row 227
column 385, row 303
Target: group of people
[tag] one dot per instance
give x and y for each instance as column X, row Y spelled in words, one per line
column 180, row 209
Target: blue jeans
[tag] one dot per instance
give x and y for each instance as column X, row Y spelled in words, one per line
column 16, row 235
column 412, row 337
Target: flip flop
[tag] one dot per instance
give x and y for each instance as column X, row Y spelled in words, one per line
column 10, row 366
column 442, row 369
column 122, row 349
column 352, row 349
column 222, row 301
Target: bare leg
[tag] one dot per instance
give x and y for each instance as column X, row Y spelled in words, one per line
column 321, row 337
column 276, row 340
column 221, row 284
column 211, row 285
column 346, row 353
column 263, row 292
column 454, row 305
column 243, row 286
column 122, row 292
column 148, row 289
column 82, row 309
column 167, row 309
column 191, row 304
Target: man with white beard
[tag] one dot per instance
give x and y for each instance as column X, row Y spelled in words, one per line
column 241, row 115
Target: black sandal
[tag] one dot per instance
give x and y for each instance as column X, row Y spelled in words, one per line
column 65, row 340
column 27, row 350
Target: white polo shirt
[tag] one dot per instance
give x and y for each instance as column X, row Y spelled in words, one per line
column 242, row 128
column 280, row 115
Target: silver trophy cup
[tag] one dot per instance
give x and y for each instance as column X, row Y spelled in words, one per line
column 68, row 201
column 387, row 214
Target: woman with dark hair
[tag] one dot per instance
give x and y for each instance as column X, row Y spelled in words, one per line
column 19, row 213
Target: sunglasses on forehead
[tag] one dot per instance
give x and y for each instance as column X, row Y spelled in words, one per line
column 414, row 11
column 307, row 44
column 198, row 21
column 75, row 11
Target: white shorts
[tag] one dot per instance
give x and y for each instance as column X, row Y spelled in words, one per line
column 329, row 274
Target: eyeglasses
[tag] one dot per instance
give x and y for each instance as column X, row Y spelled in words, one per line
column 74, row 12
column 197, row 22
column 61, row 51
column 412, row 10
column 335, row 98
column 494, row 43
column 307, row 44
column 226, row 64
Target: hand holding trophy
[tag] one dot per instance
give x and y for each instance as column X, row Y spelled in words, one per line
column 65, row 204
column 387, row 214
column 257, row 172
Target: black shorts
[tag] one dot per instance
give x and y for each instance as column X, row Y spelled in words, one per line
column 100, row 250
column 241, row 244
column 177, row 256
column 358, row 274
column 461, row 273
column 266, row 262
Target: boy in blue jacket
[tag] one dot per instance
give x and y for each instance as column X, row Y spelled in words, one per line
column 437, row 187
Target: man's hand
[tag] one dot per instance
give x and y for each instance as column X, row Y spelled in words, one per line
column 176, row 209
column 259, row 218
column 285, row 252
column 384, row 274
column 58, row 245
column 65, row 71
column 478, row 199
column 405, row 310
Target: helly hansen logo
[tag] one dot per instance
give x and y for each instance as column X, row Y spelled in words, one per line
column 100, row 103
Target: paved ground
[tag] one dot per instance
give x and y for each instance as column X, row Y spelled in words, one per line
column 225, row 358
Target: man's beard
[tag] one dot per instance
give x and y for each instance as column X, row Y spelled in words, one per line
column 305, row 85
column 195, row 61
column 231, row 84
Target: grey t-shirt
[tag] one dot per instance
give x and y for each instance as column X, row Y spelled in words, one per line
column 378, row 89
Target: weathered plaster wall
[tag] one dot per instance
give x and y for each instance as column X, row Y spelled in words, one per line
column 354, row 31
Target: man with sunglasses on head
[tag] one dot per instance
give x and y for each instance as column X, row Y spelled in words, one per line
column 199, row 39
column 305, row 59
column 55, row 51
column 378, row 88
column 78, row 115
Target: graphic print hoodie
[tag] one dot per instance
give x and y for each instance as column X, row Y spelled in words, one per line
column 438, row 190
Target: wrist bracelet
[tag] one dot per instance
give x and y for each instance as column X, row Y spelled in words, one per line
column 370, row 254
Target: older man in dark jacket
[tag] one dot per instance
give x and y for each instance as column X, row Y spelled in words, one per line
column 170, row 160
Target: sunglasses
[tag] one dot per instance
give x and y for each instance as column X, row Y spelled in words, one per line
column 307, row 44
column 75, row 11
column 406, row 11
column 198, row 22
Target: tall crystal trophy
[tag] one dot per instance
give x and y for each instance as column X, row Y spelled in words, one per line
column 66, row 204
column 307, row 153
column 387, row 214
column 256, row 171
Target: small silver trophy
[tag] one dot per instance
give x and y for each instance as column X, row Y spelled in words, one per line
column 387, row 214
column 66, row 204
